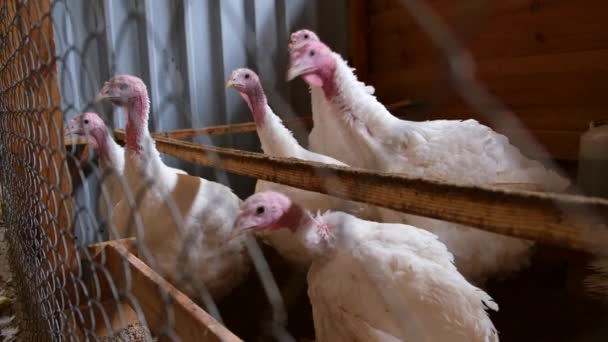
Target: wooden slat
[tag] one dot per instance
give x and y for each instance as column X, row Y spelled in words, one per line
column 191, row 323
column 510, row 28
column 522, row 82
column 130, row 244
column 72, row 140
column 188, row 133
column 564, row 220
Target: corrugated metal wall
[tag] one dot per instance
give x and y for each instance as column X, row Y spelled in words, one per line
column 184, row 50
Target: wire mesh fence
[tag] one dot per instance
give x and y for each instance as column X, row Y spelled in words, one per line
column 102, row 251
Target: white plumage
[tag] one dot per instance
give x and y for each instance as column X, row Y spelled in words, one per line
column 199, row 245
column 111, row 159
column 277, row 140
column 447, row 150
column 326, row 130
column 377, row 282
column 111, row 163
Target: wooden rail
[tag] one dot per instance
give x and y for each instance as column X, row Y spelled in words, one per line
column 153, row 294
column 570, row 221
column 187, row 133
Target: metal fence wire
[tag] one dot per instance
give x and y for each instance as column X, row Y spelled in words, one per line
column 74, row 280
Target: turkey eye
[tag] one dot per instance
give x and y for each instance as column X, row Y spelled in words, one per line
column 246, row 75
column 86, row 121
column 259, row 210
column 124, row 86
column 311, row 53
column 306, row 36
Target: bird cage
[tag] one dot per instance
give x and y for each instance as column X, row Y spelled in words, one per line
column 78, row 287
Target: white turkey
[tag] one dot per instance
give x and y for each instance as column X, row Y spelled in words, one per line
column 277, row 140
column 447, row 150
column 185, row 221
column 111, row 161
column 376, row 281
column 325, row 128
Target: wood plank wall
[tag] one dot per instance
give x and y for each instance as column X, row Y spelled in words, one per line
column 546, row 59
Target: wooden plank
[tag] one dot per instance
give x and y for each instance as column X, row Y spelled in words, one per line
column 74, row 140
column 188, row 133
column 520, row 82
column 511, row 28
column 358, row 36
column 569, row 221
column 105, row 319
column 130, row 244
column 191, row 323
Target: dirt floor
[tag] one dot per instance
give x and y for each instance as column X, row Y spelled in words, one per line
column 9, row 307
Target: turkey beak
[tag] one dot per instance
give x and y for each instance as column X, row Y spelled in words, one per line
column 72, row 128
column 296, row 70
column 105, row 93
column 240, row 227
column 229, row 84
column 293, row 72
column 290, row 45
column 236, row 231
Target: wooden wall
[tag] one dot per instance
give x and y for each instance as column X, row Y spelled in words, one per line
column 547, row 60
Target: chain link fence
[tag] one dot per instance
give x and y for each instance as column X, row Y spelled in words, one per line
column 77, row 280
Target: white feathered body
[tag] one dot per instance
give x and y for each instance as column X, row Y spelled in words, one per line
column 207, row 211
column 389, row 282
column 465, row 152
column 277, row 140
column 111, row 169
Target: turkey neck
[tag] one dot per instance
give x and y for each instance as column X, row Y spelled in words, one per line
column 356, row 105
column 137, row 123
column 294, row 218
column 106, row 146
column 256, row 100
column 275, row 138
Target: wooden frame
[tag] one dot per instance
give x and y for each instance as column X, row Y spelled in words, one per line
column 569, row 221
column 148, row 288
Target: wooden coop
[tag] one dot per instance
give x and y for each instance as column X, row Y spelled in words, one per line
column 546, row 62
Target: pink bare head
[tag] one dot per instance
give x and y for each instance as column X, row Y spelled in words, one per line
column 248, row 84
column 267, row 210
column 89, row 125
column 302, row 36
column 130, row 93
column 122, row 89
column 244, row 81
column 314, row 62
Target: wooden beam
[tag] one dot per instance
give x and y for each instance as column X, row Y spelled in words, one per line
column 154, row 295
column 188, row 133
column 74, row 140
column 570, row 221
